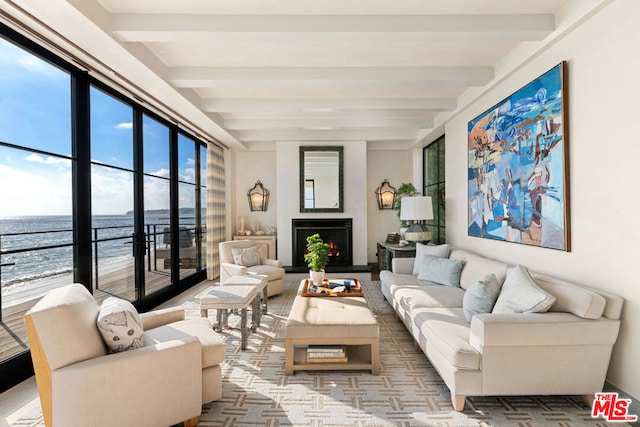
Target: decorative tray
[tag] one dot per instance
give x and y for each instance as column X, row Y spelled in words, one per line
column 353, row 288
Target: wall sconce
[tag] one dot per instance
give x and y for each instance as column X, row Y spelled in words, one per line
column 386, row 196
column 258, row 197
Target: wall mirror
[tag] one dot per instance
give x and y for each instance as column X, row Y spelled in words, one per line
column 321, row 181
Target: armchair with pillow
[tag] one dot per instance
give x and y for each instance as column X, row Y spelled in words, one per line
column 489, row 328
column 242, row 257
column 110, row 366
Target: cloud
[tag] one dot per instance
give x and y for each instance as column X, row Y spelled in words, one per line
column 49, row 160
column 126, row 125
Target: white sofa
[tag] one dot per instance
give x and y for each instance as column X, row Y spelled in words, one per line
column 564, row 351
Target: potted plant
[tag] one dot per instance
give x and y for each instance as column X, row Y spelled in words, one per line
column 406, row 189
column 317, row 257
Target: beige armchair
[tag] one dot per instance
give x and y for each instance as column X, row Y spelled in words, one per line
column 163, row 383
column 269, row 267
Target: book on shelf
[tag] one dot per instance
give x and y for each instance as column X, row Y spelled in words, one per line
column 342, row 359
column 325, row 348
column 321, row 354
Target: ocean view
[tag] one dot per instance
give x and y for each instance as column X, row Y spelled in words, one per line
column 23, row 266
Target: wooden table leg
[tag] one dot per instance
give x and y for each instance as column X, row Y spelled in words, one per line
column 288, row 357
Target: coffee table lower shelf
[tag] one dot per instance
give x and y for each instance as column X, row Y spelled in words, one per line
column 359, row 358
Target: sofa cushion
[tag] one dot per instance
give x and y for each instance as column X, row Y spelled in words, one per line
column 213, row 346
column 520, row 294
column 429, row 296
column 272, row 273
column 573, row 299
column 476, row 267
column 246, row 256
column 441, row 270
column 446, row 331
column 120, row 325
column 440, row 251
column 481, row 296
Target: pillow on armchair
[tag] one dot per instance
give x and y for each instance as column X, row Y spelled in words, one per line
column 246, row 257
column 120, row 325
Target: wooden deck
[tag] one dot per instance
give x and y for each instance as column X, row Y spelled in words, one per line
column 13, row 335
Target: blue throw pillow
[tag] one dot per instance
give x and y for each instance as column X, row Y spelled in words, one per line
column 443, row 271
column 481, row 296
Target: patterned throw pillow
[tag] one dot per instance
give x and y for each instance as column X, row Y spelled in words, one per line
column 246, row 257
column 120, row 325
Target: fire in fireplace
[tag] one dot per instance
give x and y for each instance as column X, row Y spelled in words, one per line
column 335, row 232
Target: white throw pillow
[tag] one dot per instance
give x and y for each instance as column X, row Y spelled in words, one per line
column 246, row 257
column 443, row 271
column 481, row 296
column 520, row 294
column 120, row 325
column 440, row 251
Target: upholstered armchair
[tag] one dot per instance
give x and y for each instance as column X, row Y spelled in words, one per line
column 269, row 267
column 162, row 383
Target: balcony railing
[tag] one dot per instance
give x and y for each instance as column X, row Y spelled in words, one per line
column 156, row 235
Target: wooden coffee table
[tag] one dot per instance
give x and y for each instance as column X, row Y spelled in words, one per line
column 340, row 320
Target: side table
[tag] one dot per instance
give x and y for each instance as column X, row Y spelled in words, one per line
column 393, row 250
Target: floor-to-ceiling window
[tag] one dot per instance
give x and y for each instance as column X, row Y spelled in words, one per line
column 94, row 188
column 434, row 186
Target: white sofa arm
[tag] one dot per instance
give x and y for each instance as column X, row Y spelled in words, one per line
column 273, row 262
column 228, row 269
column 168, row 374
column 156, row 318
column 537, row 329
column 402, row 265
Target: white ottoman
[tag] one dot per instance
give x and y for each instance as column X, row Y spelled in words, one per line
column 230, row 297
column 259, row 281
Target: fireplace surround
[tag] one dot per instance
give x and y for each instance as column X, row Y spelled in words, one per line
column 337, row 232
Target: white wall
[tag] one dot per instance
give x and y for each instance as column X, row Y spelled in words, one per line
column 396, row 167
column 249, row 167
column 355, row 199
column 604, row 154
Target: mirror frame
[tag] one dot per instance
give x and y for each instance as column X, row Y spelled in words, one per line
column 340, row 150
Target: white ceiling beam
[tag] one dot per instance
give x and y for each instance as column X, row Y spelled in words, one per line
column 329, row 135
column 331, row 114
column 344, row 123
column 229, row 105
column 206, row 76
column 184, row 27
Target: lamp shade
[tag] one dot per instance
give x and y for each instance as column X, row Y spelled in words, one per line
column 258, row 197
column 416, row 208
column 385, row 196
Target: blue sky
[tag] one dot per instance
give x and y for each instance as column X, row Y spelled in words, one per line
column 35, row 112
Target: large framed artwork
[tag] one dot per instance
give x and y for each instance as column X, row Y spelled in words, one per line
column 518, row 166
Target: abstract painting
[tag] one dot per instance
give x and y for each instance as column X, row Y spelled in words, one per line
column 518, row 166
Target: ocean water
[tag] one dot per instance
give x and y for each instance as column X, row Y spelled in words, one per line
column 22, row 233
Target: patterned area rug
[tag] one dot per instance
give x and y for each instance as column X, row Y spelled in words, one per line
column 407, row 393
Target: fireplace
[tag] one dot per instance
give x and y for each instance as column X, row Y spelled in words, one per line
column 335, row 232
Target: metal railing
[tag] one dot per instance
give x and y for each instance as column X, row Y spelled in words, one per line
column 152, row 240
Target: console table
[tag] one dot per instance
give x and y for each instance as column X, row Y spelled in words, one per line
column 392, row 250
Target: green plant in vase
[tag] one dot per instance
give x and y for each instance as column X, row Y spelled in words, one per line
column 317, row 257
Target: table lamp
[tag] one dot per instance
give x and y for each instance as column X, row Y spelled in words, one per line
column 416, row 209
